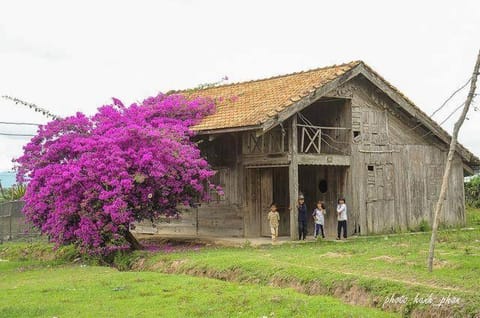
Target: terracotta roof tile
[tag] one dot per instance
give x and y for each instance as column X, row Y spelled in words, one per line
column 252, row 103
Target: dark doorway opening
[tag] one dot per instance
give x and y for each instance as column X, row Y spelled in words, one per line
column 323, row 183
column 264, row 186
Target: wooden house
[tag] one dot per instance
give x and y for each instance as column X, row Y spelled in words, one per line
column 338, row 131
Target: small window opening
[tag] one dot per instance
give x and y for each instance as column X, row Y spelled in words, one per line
column 323, row 186
column 356, row 136
column 370, row 168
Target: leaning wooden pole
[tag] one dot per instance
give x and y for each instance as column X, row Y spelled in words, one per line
column 448, row 166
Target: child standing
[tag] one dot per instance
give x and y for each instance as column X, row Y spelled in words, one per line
column 274, row 218
column 342, row 218
column 302, row 218
column 318, row 216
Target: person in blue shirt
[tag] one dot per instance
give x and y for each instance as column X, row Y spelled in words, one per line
column 302, row 218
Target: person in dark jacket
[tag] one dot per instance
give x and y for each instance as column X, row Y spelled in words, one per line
column 302, row 218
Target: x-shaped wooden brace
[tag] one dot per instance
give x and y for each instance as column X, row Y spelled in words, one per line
column 256, row 143
column 314, row 140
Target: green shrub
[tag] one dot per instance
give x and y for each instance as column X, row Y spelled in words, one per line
column 423, row 226
column 15, row 193
column 472, row 192
column 473, row 217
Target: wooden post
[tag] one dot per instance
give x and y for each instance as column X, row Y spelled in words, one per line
column 319, row 140
column 10, row 237
column 196, row 219
column 293, row 179
column 302, row 143
column 448, row 165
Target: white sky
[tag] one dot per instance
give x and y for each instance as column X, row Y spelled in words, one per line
column 74, row 56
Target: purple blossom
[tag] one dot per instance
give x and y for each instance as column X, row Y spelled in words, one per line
column 90, row 177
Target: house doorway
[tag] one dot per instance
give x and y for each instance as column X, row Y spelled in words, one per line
column 325, row 183
column 264, row 186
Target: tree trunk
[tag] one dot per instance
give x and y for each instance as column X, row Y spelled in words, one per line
column 134, row 243
column 448, row 166
column 1, row 191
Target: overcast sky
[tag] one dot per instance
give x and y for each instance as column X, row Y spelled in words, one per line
column 74, row 56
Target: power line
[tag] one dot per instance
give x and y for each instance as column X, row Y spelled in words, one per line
column 451, row 114
column 443, row 105
column 447, row 118
column 16, row 135
column 14, row 123
column 451, row 96
column 416, row 126
column 36, row 108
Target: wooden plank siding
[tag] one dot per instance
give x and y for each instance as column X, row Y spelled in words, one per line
column 395, row 171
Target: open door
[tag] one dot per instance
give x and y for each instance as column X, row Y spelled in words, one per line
column 264, row 186
column 281, row 197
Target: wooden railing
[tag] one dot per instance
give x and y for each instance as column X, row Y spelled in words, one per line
column 274, row 141
column 317, row 139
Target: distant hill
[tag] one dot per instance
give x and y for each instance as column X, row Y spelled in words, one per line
column 7, row 178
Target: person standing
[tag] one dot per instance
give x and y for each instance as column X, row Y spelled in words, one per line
column 342, row 218
column 318, row 216
column 302, row 218
column 273, row 218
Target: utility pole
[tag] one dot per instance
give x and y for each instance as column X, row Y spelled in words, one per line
column 448, row 166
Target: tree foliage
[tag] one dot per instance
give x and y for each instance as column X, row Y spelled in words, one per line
column 14, row 193
column 472, row 192
column 90, row 177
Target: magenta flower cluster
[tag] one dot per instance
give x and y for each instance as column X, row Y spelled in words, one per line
column 90, row 177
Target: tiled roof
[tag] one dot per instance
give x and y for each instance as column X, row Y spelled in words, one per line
column 251, row 104
column 254, row 102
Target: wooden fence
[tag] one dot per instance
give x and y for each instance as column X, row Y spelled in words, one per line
column 12, row 222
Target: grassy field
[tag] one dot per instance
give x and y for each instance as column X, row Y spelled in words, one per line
column 363, row 270
column 387, row 272
column 47, row 289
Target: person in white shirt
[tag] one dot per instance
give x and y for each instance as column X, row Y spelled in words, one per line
column 342, row 218
column 318, row 216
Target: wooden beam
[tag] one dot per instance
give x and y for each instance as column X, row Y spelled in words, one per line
column 323, row 160
column 293, row 178
column 268, row 166
column 468, row 170
column 324, row 127
column 265, row 159
column 317, row 137
column 225, row 130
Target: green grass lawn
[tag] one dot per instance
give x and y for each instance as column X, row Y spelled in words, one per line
column 381, row 266
column 253, row 282
column 45, row 289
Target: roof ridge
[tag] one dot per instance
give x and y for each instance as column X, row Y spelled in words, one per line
column 351, row 63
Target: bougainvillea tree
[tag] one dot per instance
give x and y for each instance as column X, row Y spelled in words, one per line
column 91, row 177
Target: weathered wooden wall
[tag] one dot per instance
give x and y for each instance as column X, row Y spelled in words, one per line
column 223, row 216
column 396, row 170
